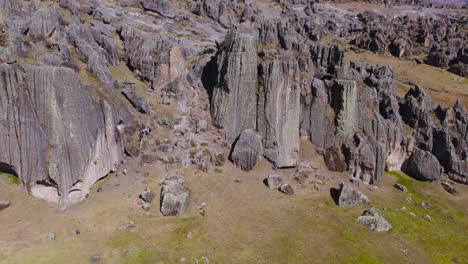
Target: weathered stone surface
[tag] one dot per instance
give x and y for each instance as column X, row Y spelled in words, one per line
column 374, row 220
column 344, row 100
column 278, row 111
column 224, row 12
column 139, row 103
column 247, row 150
column 400, row 187
column 234, row 95
column 156, row 59
column 147, row 196
column 315, row 118
column 4, row 204
column 175, row 199
column 286, row 189
column 422, row 165
column 274, row 181
column 65, row 140
column 162, row 7
column 334, row 159
column 349, row 196
column 44, row 22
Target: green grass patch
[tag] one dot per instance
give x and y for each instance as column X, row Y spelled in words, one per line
column 440, row 229
column 410, row 183
column 13, row 179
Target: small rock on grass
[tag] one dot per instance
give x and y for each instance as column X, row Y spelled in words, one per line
column 401, row 187
column 51, row 236
column 374, row 220
column 147, row 196
column 4, row 204
column 274, row 181
column 126, row 225
column 286, row 189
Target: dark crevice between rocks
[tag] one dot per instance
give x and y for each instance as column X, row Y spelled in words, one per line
column 335, row 194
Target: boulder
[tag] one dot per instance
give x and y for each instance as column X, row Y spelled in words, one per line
column 422, row 165
column 147, row 196
column 175, row 199
column 349, row 196
column 286, row 189
column 247, row 150
column 4, row 204
column 274, row 181
column 374, row 220
column 138, row 102
column 400, row 187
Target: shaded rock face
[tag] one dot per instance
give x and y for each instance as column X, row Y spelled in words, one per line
column 315, row 118
column 56, row 155
column 234, row 95
column 247, row 150
column 278, row 111
column 423, row 166
column 344, row 101
column 349, row 196
column 334, row 159
column 374, row 220
column 162, row 7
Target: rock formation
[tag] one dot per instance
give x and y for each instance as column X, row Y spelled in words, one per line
column 54, row 153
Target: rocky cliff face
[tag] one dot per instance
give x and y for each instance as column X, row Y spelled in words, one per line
column 56, row 151
column 260, row 71
column 233, row 103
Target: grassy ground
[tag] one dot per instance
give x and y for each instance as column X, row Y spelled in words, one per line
column 244, row 223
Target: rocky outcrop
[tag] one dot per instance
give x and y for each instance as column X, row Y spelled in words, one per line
column 156, row 59
column 59, row 139
column 233, row 99
column 44, row 22
column 278, row 110
column 224, row 12
column 247, row 150
column 162, row 7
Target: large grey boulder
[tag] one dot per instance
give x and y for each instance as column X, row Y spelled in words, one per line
column 247, row 150
column 278, row 111
column 234, row 97
column 175, row 198
column 374, row 220
column 422, row 165
column 56, row 137
column 349, row 196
